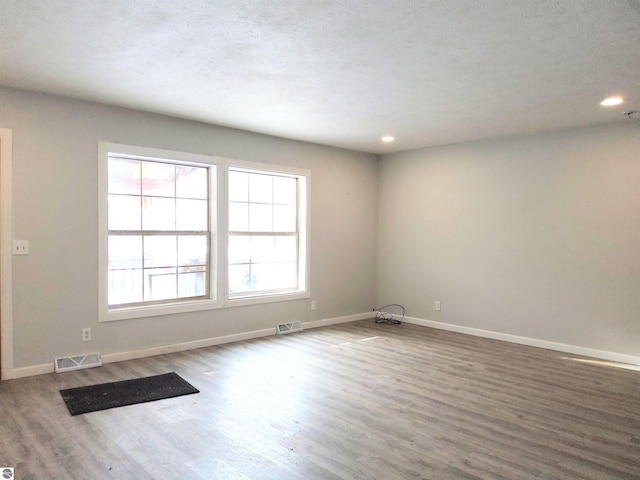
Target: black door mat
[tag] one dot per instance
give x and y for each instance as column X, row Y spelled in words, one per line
column 93, row 398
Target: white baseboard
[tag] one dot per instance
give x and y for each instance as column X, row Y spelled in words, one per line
column 532, row 342
column 237, row 337
column 33, row 370
column 184, row 346
column 337, row 320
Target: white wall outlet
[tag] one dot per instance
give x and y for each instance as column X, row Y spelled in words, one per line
column 86, row 334
column 313, row 304
column 438, row 305
column 21, row 247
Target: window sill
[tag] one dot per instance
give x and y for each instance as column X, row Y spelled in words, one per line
column 197, row 306
column 270, row 298
column 158, row 310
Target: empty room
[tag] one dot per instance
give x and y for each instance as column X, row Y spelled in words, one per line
column 320, row 239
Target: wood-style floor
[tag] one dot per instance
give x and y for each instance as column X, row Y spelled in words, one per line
column 353, row 401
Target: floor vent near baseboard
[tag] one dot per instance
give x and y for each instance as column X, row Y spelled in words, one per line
column 66, row 364
column 283, row 328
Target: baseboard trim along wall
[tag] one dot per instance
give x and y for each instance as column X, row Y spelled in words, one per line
column 237, row 337
column 532, row 342
column 181, row 347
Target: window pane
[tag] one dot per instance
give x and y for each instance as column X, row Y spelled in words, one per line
column 125, row 251
column 192, row 284
column 124, row 212
column 238, row 217
column 160, row 251
column 125, row 286
column 160, row 283
column 263, row 262
column 284, row 218
column 262, row 249
column 191, row 182
column 238, row 186
column 158, row 179
column 124, row 176
column 192, row 250
column 262, row 276
column 260, row 188
column 158, row 213
column 240, row 278
column 160, row 217
column 284, row 190
column 260, row 217
column 285, row 275
column 191, row 215
column 239, row 249
column 286, row 249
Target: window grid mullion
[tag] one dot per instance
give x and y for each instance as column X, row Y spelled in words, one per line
column 250, row 288
column 173, row 293
column 263, row 234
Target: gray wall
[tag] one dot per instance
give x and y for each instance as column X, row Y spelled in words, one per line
column 55, row 148
column 536, row 236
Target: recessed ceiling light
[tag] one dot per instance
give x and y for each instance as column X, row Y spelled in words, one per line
column 611, row 101
column 388, row 138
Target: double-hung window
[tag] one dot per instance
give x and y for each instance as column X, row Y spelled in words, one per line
column 157, row 253
column 158, row 231
column 265, row 246
column 183, row 232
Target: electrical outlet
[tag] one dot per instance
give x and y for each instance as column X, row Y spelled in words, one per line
column 313, row 304
column 438, row 305
column 86, row 334
column 21, row 247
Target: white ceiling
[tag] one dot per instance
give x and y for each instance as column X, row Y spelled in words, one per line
column 336, row 72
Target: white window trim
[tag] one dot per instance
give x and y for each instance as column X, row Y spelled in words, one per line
column 304, row 244
column 215, row 281
column 218, row 268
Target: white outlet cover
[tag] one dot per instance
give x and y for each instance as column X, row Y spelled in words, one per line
column 20, row 247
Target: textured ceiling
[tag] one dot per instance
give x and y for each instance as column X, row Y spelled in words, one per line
column 336, row 72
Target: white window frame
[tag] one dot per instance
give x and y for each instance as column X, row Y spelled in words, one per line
column 216, row 291
column 219, row 221
column 304, row 187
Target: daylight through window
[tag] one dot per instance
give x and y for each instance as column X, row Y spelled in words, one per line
column 263, row 233
column 158, row 231
column 183, row 232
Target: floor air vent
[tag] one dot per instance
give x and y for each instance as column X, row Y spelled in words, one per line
column 66, row 364
column 283, row 328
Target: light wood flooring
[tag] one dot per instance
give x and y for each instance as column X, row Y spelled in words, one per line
column 352, row 401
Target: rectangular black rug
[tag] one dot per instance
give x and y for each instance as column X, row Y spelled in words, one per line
column 126, row 392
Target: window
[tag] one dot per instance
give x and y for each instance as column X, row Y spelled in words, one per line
column 183, row 232
column 158, row 215
column 264, row 235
